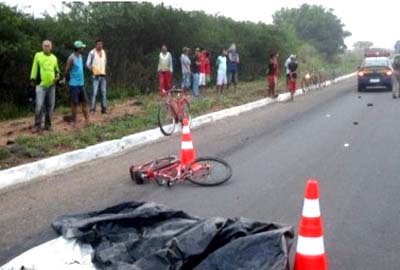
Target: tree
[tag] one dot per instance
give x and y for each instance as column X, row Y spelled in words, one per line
column 316, row 26
column 361, row 46
column 17, row 45
column 133, row 33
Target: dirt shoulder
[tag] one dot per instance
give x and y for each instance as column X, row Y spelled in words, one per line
column 11, row 129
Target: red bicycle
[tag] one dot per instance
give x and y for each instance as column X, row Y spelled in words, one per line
column 204, row 171
column 175, row 108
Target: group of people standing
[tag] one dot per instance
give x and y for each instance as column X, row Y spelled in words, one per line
column 45, row 74
column 196, row 74
column 196, row 69
column 273, row 74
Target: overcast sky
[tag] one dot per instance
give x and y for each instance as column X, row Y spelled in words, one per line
column 377, row 21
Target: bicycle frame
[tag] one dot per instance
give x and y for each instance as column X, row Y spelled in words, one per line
column 176, row 104
column 172, row 173
column 169, row 173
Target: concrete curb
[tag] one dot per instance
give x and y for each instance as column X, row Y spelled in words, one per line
column 28, row 172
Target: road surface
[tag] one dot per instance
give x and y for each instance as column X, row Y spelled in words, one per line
column 332, row 135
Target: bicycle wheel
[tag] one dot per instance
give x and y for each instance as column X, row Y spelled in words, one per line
column 166, row 120
column 209, row 171
column 136, row 176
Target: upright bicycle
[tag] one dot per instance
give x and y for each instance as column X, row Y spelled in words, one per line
column 175, row 108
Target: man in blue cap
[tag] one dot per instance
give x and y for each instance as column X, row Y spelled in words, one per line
column 76, row 81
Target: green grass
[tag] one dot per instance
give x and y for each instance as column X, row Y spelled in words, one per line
column 4, row 152
column 28, row 148
column 11, row 111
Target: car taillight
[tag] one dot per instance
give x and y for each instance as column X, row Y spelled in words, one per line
column 360, row 73
column 389, row 73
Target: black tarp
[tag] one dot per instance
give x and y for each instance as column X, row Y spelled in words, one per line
column 150, row 236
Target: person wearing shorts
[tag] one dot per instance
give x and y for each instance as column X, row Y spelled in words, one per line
column 76, row 82
column 203, row 69
column 221, row 71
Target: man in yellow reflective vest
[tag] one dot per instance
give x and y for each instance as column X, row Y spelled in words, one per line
column 97, row 63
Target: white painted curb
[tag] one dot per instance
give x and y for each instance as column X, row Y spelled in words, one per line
column 27, row 172
column 59, row 253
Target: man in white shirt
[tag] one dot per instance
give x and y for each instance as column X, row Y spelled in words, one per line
column 96, row 63
column 165, row 70
column 221, row 71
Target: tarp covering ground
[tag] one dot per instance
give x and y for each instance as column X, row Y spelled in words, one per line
column 149, row 236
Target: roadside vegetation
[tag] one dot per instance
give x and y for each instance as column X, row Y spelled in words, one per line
column 133, row 33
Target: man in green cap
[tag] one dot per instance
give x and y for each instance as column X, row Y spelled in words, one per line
column 76, row 81
column 44, row 74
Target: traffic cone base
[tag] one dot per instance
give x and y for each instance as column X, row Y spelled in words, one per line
column 307, row 262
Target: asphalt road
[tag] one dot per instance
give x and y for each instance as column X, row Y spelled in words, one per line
column 272, row 150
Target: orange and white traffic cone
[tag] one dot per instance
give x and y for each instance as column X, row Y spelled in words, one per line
column 310, row 253
column 188, row 154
